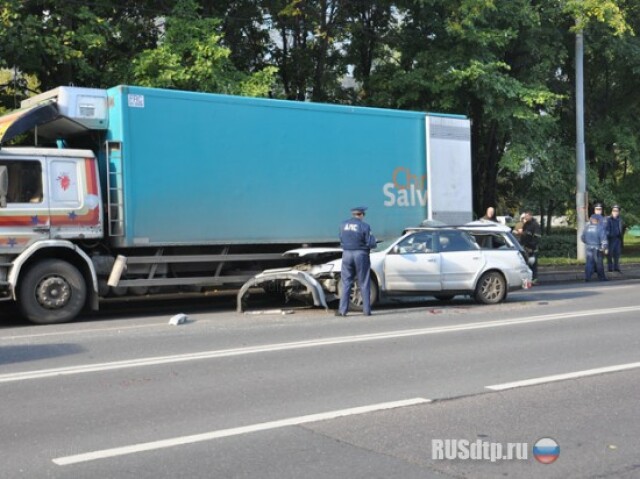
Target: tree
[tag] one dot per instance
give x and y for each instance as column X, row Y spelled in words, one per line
column 74, row 42
column 189, row 56
column 487, row 59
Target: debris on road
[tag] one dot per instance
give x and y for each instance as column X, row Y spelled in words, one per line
column 271, row 311
column 178, row 319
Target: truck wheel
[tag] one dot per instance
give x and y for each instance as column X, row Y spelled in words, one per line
column 355, row 298
column 52, row 291
column 491, row 289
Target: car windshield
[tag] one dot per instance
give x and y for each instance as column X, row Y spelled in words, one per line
column 384, row 244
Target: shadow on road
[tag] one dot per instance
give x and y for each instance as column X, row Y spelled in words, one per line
column 36, row 352
column 193, row 304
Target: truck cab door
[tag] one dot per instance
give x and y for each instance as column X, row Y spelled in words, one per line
column 74, row 204
column 24, row 214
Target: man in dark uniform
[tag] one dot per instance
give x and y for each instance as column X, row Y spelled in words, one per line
column 530, row 239
column 615, row 237
column 594, row 237
column 356, row 241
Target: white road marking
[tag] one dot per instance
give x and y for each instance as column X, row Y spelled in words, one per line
column 208, row 436
column 154, row 361
column 562, row 377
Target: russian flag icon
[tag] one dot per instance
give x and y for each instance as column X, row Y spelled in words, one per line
column 546, row 450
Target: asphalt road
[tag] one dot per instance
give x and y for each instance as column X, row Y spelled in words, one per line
column 311, row 395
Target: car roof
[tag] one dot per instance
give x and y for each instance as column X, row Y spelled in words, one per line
column 480, row 226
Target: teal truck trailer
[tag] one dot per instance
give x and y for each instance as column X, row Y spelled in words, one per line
column 136, row 191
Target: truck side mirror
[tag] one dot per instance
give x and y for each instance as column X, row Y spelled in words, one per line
column 4, row 186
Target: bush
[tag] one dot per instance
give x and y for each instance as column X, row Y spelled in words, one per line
column 558, row 245
column 563, row 230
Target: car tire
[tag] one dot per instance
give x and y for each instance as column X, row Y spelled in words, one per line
column 355, row 298
column 491, row 288
column 51, row 292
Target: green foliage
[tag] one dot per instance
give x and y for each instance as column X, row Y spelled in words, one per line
column 586, row 12
column 507, row 64
column 190, row 57
column 558, row 246
column 81, row 43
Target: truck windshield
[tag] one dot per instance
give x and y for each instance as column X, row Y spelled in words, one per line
column 25, row 181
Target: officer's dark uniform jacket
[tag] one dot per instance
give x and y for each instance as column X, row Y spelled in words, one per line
column 355, row 234
column 594, row 237
column 615, row 227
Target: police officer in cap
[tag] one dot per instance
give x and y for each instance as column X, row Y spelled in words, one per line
column 356, row 241
column 615, row 236
column 595, row 239
column 598, row 211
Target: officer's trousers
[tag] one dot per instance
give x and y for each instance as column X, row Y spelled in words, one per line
column 356, row 264
column 613, row 257
column 595, row 261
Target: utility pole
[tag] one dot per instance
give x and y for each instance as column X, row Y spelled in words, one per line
column 581, row 181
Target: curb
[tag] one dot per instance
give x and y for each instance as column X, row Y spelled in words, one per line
column 573, row 274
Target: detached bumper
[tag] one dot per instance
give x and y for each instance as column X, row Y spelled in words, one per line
column 312, row 285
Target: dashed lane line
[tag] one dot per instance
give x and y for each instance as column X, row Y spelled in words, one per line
column 562, row 377
column 208, row 436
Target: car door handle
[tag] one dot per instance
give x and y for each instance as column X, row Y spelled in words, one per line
column 432, row 260
column 42, row 229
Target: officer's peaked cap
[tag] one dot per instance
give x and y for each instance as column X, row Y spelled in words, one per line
column 615, row 207
column 359, row 209
column 598, row 205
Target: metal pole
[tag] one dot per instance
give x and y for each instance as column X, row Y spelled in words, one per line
column 581, row 182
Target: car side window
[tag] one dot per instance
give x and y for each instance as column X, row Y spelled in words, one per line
column 492, row 241
column 416, row 243
column 455, row 241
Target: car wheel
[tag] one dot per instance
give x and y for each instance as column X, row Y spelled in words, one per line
column 52, row 291
column 491, row 289
column 444, row 297
column 355, row 297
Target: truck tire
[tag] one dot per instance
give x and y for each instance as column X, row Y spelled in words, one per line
column 52, row 291
column 355, row 298
column 491, row 289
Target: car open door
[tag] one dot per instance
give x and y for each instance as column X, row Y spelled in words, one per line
column 462, row 259
column 413, row 265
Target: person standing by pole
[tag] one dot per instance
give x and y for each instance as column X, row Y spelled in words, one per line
column 356, row 241
column 615, row 236
column 595, row 239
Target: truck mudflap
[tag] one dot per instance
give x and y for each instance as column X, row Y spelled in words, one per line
column 303, row 278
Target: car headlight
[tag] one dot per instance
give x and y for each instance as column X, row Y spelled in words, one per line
column 319, row 269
